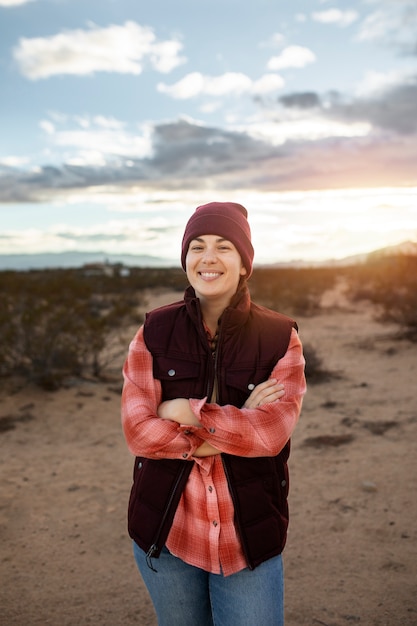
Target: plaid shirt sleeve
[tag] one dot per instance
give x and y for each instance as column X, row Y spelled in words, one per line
column 265, row 430
column 147, row 434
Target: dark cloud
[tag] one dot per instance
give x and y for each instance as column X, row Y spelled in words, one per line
column 193, row 151
column 302, row 100
column 394, row 110
column 191, row 156
column 184, row 155
column 91, row 237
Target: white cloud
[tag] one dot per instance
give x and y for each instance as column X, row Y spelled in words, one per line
column 268, row 83
column 88, row 157
column 393, row 24
column 230, row 83
column 277, row 40
column 97, row 138
column 13, row 161
column 374, row 84
column 165, row 56
column 107, row 122
column 308, row 129
column 123, row 49
column 47, row 127
column 335, row 16
column 292, row 56
column 13, row 3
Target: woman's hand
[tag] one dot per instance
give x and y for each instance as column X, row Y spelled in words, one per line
column 178, row 410
column 265, row 392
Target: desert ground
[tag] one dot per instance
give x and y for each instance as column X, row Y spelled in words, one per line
column 351, row 556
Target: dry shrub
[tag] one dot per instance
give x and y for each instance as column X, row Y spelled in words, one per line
column 391, row 284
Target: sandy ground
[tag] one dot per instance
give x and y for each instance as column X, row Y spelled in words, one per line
column 351, row 552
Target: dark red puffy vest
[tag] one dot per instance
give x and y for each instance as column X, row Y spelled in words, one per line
column 251, row 341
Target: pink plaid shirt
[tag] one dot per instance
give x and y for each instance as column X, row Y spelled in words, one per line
column 203, row 533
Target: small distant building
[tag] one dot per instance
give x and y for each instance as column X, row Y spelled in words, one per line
column 105, row 269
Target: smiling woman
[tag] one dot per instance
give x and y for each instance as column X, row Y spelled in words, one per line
column 213, row 387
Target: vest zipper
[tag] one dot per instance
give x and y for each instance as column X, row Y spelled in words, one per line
column 215, row 357
column 226, row 470
column 154, row 547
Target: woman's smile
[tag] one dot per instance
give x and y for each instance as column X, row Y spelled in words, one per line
column 205, row 275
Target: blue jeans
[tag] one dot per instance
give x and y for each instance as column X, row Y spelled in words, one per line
column 184, row 595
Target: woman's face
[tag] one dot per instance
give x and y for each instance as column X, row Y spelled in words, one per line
column 214, row 268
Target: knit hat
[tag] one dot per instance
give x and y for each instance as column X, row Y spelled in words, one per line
column 226, row 219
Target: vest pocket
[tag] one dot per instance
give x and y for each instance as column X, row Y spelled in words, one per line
column 245, row 379
column 179, row 378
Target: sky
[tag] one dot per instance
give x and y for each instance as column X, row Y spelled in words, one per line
column 119, row 117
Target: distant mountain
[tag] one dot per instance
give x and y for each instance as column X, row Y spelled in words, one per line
column 404, row 248
column 407, row 247
column 22, row 262
column 74, row 259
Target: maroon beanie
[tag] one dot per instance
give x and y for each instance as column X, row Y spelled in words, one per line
column 226, row 219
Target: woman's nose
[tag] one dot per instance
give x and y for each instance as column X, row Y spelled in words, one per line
column 209, row 255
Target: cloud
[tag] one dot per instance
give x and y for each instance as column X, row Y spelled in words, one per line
column 302, row 100
column 228, row 84
column 335, row 16
column 13, row 161
column 385, row 102
column 93, row 140
column 277, row 40
column 187, row 156
column 125, row 49
column 394, row 110
column 14, row 3
column 394, row 25
column 47, row 127
column 292, row 56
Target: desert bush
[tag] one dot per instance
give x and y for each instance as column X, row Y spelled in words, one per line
column 57, row 322
column 293, row 290
column 315, row 372
column 391, row 284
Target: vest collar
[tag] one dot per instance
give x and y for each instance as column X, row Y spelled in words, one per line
column 234, row 316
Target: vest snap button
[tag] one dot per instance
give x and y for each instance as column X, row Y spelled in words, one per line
column 171, row 372
column 251, row 386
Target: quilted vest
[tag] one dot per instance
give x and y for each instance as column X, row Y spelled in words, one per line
column 251, row 341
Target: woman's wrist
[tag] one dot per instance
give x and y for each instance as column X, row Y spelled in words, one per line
column 178, row 410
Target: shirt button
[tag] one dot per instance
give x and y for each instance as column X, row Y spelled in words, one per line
column 187, row 432
column 210, row 488
column 185, row 455
column 212, row 430
column 251, row 386
column 171, row 372
column 214, row 523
